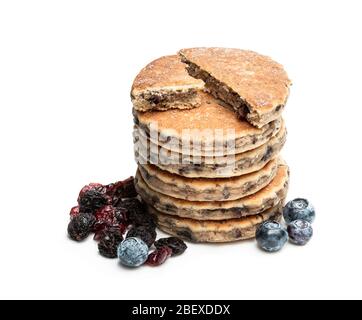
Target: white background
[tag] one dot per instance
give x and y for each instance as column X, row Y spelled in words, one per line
column 66, row 68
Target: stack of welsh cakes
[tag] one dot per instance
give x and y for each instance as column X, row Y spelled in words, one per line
column 208, row 133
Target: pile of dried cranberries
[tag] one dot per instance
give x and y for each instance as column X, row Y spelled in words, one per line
column 113, row 213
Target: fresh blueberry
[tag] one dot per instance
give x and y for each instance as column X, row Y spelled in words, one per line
column 271, row 236
column 133, row 252
column 298, row 209
column 300, row 232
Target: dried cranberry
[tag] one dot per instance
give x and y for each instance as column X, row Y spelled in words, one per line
column 81, row 226
column 109, row 216
column 177, row 246
column 109, row 241
column 98, row 235
column 132, row 204
column 148, row 235
column 74, row 212
column 92, row 200
column 106, row 215
column 121, row 215
column 144, row 219
column 159, row 256
column 99, row 229
column 91, row 186
column 137, row 213
column 121, row 190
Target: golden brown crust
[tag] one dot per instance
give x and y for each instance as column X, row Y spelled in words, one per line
column 215, row 231
column 208, row 189
column 218, row 210
column 259, row 81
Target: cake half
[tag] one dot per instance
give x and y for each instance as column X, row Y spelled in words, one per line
column 165, row 84
column 256, row 86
